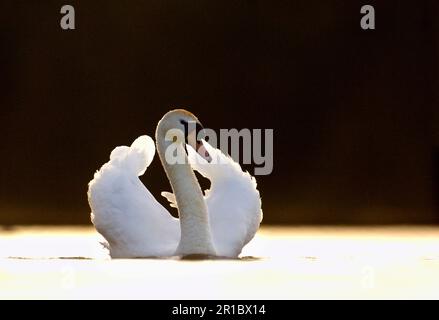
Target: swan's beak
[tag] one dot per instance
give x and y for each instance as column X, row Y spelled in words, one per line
column 194, row 139
column 202, row 151
column 199, row 146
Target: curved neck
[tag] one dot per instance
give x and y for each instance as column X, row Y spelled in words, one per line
column 194, row 221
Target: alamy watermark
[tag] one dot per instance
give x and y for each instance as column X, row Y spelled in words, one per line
column 247, row 146
column 367, row 21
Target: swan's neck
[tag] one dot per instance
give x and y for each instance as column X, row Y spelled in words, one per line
column 194, row 220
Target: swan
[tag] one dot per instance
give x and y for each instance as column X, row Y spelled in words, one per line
column 219, row 222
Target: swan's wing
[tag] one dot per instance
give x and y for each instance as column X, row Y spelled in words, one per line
column 125, row 212
column 233, row 200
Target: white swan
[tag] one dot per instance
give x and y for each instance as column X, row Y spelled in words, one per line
column 134, row 224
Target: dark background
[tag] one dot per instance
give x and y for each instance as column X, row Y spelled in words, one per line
column 354, row 112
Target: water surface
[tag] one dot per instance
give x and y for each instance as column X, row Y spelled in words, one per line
column 280, row 263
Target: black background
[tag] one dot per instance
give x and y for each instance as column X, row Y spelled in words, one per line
column 354, row 112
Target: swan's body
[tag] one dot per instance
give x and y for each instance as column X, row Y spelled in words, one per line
column 134, row 224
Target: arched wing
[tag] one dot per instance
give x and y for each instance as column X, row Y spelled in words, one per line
column 125, row 212
column 233, row 200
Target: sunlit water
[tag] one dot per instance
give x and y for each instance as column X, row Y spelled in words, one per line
column 281, row 263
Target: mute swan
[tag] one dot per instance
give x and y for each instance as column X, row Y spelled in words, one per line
column 135, row 224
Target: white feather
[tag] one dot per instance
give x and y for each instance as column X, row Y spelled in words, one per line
column 125, row 212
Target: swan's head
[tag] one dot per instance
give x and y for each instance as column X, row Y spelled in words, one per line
column 186, row 127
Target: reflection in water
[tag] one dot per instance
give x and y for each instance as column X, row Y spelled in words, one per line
column 319, row 262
